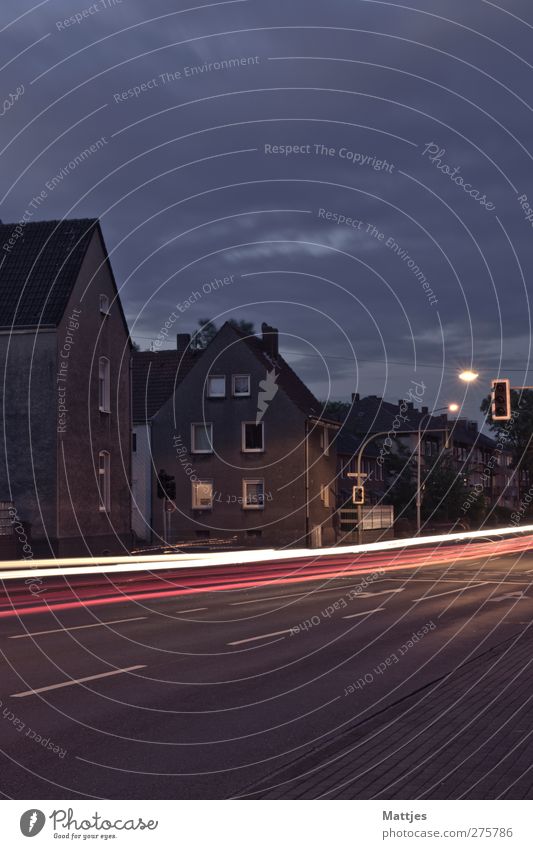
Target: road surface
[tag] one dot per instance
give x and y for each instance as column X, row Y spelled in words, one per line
column 403, row 674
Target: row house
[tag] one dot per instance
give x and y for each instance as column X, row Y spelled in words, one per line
column 473, row 454
column 65, row 355
column 252, row 459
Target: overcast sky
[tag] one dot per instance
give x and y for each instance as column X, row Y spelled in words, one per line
column 190, row 189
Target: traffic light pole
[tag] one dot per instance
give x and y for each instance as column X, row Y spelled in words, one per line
column 360, row 457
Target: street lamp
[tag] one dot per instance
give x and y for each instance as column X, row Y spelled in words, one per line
column 452, row 408
column 468, row 376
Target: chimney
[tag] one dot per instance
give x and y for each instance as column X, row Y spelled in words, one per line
column 182, row 342
column 270, row 340
column 425, row 411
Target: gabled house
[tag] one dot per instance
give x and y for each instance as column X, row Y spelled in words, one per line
column 253, row 459
column 65, row 393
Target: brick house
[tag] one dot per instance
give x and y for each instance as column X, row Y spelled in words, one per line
column 253, row 459
column 65, row 360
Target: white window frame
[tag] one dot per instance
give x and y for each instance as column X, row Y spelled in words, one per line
column 208, row 386
column 104, row 304
column 243, row 438
column 234, row 391
column 194, row 496
column 324, row 440
column 207, row 426
column 104, row 389
column 104, row 481
column 245, row 484
column 324, row 494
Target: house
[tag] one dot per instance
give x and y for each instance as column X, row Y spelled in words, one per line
column 155, row 376
column 252, row 458
column 65, row 391
column 484, row 464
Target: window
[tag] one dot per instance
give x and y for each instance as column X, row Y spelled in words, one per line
column 202, row 495
column 324, row 441
column 240, row 385
column 253, row 494
column 202, row 438
column 324, row 494
column 134, row 442
column 216, row 386
column 378, row 472
column 104, row 481
column 253, row 436
column 104, row 304
column 104, row 394
column 431, row 448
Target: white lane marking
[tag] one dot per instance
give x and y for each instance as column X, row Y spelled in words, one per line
column 509, row 596
column 261, row 637
column 76, row 681
column 363, row 613
column 76, row 628
column 192, row 610
column 309, row 593
column 450, row 592
column 379, row 592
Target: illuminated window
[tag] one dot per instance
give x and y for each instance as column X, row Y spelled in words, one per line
column 253, row 494
column 202, row 495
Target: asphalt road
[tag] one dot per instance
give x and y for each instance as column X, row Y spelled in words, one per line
column 401, row 675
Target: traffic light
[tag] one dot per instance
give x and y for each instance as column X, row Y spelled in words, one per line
column 358, row 495
column 501, row 400
column 166, row 485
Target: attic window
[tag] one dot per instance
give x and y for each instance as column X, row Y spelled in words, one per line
column 104, row 304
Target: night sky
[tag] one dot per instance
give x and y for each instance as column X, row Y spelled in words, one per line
column 255, row 126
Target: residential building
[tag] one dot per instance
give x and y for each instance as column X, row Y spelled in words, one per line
column 473, row 454
column 253, row 459
column 65, row 392
column 155, row 376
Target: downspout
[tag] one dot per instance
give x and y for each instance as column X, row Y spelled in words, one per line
column 307, row 482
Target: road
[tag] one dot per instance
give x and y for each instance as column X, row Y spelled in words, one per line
column 402, row 674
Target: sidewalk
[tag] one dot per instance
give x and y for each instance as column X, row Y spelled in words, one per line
column 467, row 735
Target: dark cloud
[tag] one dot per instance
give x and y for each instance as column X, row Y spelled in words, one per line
column 187, row 194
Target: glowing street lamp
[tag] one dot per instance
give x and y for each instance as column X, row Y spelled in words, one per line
column 468, row 376
column 453, row 408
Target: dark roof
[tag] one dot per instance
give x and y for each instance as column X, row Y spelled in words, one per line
column 39, row 269
column 372, row 414
column 288, row 380
column 154, row 378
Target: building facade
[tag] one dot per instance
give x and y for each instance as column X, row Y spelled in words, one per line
column 65, row 360
column 252, row 457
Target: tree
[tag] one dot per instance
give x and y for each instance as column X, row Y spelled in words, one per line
column 445, row 490
column 337, row 410
column 515, row 435
column 207, row 330
column 399, row 470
